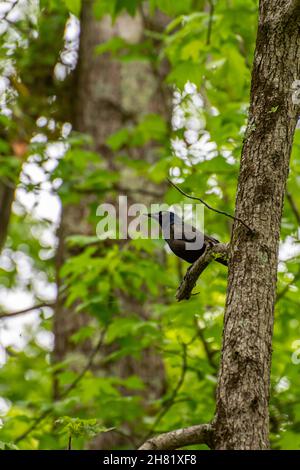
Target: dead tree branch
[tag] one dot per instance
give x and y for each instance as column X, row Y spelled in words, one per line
column 293, row 207
column 199, row 434
column 212, row 252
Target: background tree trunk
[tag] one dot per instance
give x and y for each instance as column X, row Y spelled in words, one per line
column 242, row 419
column 6, row 200
column 109, row 94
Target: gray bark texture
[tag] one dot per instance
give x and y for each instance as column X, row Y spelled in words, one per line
column 242, row 415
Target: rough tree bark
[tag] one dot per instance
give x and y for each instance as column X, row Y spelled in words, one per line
column 242, row 417
column 109, row 94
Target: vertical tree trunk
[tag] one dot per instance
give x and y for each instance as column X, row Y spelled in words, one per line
column 109, row 94
column 6, row 200
column 242, row 418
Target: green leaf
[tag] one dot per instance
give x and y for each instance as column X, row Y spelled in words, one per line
column 118, row 139
column 112, row 45
column 74, row 6
column 77, row 427
column 129, row 5
column 103, row 7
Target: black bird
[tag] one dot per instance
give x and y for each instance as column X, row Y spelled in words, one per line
column 178, row 234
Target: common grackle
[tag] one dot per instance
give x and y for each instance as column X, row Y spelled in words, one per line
column 182, row 237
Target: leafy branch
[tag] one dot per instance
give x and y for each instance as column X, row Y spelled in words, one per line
column 66, row 392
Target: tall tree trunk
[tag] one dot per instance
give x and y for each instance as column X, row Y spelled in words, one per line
column 108, row 94
column 6, row 199
column 242, row 419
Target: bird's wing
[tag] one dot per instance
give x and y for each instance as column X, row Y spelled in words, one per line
column 189, row 233
column 186, row 233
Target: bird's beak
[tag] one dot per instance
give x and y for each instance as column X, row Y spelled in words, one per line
column 153, row 216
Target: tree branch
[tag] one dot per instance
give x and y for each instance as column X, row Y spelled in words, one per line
column 199, row 434
column 293, row 207
column 87, row 366
column 219, row 250
column 210, row 354
column 210, row 21
column 25, row 310
column 12, row 6
column 210, row 207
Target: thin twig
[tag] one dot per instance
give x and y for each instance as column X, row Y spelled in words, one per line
column 210, row 207
column 26, row 310
column 210, row 21
column 12, row 6
column 286, row 288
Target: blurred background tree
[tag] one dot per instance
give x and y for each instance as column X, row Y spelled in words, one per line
column 102, row 98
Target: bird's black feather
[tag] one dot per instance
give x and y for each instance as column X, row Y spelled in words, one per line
column 179, row 235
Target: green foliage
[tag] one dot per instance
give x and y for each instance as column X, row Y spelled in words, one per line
column 115, row 7
column 9, row 168
column 210, row 75
column 79, row 428
column 7, row 446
